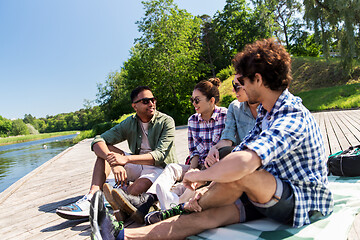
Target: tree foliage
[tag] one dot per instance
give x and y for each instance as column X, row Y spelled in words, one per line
column 336, row 23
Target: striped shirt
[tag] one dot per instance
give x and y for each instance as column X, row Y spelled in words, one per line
column 202, row 135
column 291, row 148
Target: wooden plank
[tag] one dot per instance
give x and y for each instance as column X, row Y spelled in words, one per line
column 343, row 142
column 333, row 142
column 348, row 129
column 319, row 117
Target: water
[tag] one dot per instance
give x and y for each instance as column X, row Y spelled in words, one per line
column 17, row 160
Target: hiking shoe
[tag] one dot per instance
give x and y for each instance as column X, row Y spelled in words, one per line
column 77, row 210
column 119, row 215
column 158, row 216
column 136, row 206
column 103, row 225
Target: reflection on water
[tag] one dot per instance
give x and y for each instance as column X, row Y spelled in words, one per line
column 17, row 160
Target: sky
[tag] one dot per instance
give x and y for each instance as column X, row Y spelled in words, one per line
column 53, row 54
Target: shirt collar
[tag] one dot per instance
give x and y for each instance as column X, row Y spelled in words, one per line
column 283, row 96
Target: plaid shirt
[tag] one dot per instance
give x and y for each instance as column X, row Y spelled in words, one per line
column 203, row 135
column 291, row 148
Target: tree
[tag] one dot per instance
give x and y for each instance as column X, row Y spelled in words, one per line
column 5, row 126
column 166, row 58
column 19, row 128
column 336, row 21
column 234, row 27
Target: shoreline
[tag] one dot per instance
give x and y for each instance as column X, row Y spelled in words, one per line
column 29, row 138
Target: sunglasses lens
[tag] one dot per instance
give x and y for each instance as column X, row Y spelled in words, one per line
column 194, row 100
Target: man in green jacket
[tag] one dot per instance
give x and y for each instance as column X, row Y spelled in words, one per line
column 150, row 135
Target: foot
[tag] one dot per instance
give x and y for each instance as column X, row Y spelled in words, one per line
column 78, row 210
column 119, row 215
column 158, row 216
column 103, row 225
column 136, row 206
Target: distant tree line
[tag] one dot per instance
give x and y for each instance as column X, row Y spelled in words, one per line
column 83, row 119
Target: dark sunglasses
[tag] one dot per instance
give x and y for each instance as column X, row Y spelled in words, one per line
column 195, row 100
column 236, row 87
column 146, row 100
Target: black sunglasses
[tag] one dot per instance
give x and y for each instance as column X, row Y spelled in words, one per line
column 146, row 100
column 236, row 87
column 195, row 100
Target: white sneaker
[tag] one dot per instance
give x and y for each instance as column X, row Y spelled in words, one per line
column 77, row 210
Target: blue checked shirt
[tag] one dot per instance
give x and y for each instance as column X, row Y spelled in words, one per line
column 203, row 135
column 291, row 148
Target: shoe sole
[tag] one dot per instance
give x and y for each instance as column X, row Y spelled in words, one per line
column 66, row 215
column 127, row 207
column 107, row 192
column 96, row 203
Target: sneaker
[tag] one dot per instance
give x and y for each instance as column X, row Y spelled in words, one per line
column 103, row 225
column 136, row 206
column 158, row 216
column 77, row 210
column 119, row 215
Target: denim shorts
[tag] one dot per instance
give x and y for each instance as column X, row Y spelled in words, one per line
column 280, row 208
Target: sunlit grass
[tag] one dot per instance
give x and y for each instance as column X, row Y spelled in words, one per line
column 339, row 97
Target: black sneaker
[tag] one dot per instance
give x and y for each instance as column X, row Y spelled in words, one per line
column 103, row 225
column 158, row 216
column 136, row 206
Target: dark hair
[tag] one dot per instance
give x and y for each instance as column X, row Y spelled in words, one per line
column 138, row 90
column 268, row 58
column 210, row 88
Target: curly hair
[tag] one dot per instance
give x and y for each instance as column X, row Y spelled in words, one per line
column 268, row 58
column 210, row 88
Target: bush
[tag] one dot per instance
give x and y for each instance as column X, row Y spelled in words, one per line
column 102, row 127
column 226, row 100
column 226, row 73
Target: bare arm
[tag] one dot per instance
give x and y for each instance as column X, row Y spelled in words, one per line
column 233, row 167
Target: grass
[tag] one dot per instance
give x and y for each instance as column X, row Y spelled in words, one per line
column 338, row 97
column 26, row 138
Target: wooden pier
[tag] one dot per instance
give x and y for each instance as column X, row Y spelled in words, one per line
column 27, row 208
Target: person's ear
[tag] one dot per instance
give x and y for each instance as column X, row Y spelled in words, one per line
column 258, row 79
column 134, row 106
column 212, row 100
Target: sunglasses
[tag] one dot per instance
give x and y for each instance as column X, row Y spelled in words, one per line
column 146, row 100
column 236, row 87
column 195, row 100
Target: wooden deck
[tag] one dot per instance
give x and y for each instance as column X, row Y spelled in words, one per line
column 27, row 208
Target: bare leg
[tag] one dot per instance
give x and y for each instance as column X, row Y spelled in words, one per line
column 179, row 227
column 101, row 171
column 260, row 187
column 139, row 186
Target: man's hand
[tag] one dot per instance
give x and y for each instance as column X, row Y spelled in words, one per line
column 115, row 159
column 120, row 175
column 193, row 204
column 212, row 157
column 189, row 179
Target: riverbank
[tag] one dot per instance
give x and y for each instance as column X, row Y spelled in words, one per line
column 27, row 138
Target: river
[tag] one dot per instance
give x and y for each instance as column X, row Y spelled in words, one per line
column 17, row 160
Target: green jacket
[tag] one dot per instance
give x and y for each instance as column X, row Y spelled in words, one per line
column 161, row 135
